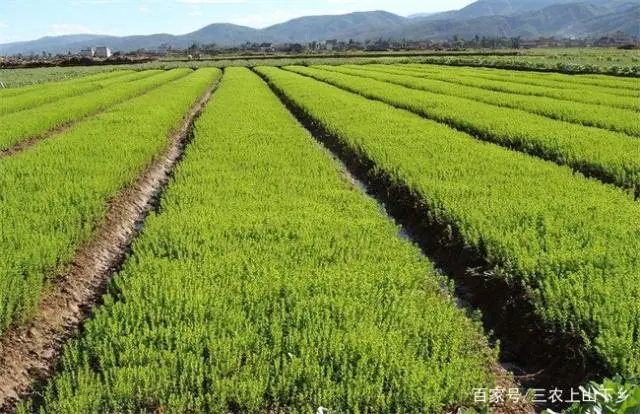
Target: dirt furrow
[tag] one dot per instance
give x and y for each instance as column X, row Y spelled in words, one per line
column 29, row 353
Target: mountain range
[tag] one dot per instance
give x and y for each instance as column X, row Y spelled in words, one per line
column 509, row 18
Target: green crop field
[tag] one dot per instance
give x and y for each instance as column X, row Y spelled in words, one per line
column 317, row 238
column 18, row 78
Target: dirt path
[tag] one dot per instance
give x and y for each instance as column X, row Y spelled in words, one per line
column 29, row 353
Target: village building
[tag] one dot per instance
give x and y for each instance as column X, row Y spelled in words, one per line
column 102, row 52
column 88, row 52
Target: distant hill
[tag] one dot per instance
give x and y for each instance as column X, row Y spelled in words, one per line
column 487, row 8
column 524, row 18
column 222, row 33
column 563, row 20
column 359, row 26
column 419, row 15
column 484, row 8
column 48, row 43
column 625, row 19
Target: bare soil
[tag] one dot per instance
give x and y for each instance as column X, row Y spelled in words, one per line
column 29, row 353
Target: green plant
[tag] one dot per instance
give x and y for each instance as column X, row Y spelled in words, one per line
column 34, row 122
column 48, row 93
column 52, row 196
column 610, row 156
column 18, row 80
column 612, row 396
column 571, row 242
column 268, row 283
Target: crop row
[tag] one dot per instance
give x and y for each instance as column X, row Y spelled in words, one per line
column 584, row 94
column 534, row 82
column 570, row 243
column 53, row 194
column 30, row 123
column 611, row 156
column 603, row 81
column 46, row 95
column 518, row 64
column 269, row 283
column 630, row 83
column 601, row 116
column 5, row 93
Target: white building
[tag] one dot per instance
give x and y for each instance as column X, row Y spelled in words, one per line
column 102, row 52
column 88, row 52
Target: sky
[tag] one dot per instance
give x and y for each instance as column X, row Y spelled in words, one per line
column 32, row 19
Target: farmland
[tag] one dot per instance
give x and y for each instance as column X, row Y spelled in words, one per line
column 16, row 78
column 578, row 146
column 372, row 238
column 67, row 188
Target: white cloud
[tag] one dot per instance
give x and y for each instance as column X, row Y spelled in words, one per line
column 143, row 9
column 3, row 25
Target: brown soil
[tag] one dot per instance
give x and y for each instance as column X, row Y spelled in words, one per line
column 29, row 353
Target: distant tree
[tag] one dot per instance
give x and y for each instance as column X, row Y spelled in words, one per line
column 457, row 42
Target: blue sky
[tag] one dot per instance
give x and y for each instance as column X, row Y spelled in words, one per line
column 32, row 19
